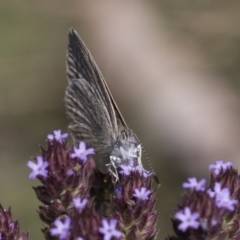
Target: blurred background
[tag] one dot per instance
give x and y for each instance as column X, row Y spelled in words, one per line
column 172, row 66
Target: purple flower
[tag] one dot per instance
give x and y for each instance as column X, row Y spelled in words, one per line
column 38, row 168
column 220, row 165
column 187, row 219
column 223, row 200
column 214, row 222
column 126, row 169
column 82, row 152
column 80, row 203
column 61, row 228
column 142, row 171
column 222, row 195
column 118, row 192
column 194, row 185
column 211, row 193
column 109, row 230
column 70, row 172
column 79, row 238
column 57, row 136
column 217, row 190
column 141, row 194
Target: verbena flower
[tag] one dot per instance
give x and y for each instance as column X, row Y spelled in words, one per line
column 82, row 152
column 219, row 165
column 39, row 168
column 223, row 200
column 125, row 169
column 79, row 202
column 212, row 212
column 142, row 193
column 108, row 229
column 142, row 171
column 187, row 219
column 57, row 136
column 61, row 228
column 193, row 184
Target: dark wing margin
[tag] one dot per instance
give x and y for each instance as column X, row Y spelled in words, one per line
column 88, row 101
column 120, row 120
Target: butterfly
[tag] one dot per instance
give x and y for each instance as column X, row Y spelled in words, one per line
column 93, row 113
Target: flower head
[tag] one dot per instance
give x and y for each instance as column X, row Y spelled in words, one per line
column 141, row 194
column 85, row 195
column 214, row 211
column 220, row 165
column 61, row 228
column 9, row 229
column 57, row 136
column 38, row 168
column 81, row 152
column 109, row 230
column 188, row 219
column 194, row 185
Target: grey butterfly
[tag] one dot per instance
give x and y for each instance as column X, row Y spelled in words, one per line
column 94, row 115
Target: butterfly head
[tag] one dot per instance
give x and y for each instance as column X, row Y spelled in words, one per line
column 127, row 149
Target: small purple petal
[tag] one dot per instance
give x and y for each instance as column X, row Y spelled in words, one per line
column 39, row 168
column 211, row 193
column 81, row 152
column 126, row 169
column 187, row 219
column 142, row 171
column 61, row 228
column 193, row 184
column 223, row 200
column 219, row 165
column 57, row 136
column 69, row 172
column 222, row 196
column 141, row 194
column 109, row 230
column 214, row 222
column 80, row 203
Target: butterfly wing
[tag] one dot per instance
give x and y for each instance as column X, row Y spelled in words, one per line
column 89, row 104
column 120, row 120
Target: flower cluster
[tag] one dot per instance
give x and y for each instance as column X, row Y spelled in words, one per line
column 9, row 229
column 211, row 212
column 79, row 202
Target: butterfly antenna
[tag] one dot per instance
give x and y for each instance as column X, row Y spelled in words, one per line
column 149, row 162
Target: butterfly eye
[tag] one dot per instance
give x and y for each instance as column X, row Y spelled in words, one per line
column 124, row 136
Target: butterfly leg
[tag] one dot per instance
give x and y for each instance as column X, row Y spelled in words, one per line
column 116, row 178
column 113, row 169
column 138, row 152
